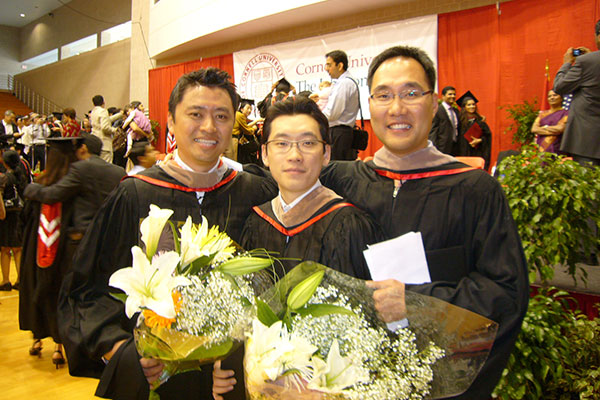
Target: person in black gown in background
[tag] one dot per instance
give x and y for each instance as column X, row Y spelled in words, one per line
column 45, row 258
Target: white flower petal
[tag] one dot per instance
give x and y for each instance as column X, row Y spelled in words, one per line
column 152, row 227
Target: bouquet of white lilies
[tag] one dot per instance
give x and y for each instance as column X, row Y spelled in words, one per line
column 195, row 301
column 317, row 336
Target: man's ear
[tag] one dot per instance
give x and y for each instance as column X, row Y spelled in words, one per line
column 171, row 123
column 264, row 155
column 327, row 155
column 435, row 104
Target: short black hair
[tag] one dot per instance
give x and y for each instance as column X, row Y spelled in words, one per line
column 93, row 143
column 11, row 159
column 296, row 106
column 135, row 103
column 445, row 90
column 244, row 103
column 339, row 56
column 404, row 51
column 210, row 77
column 138, row 149
column 98, row 100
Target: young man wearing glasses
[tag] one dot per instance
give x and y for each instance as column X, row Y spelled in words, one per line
column 305, row 221
column 474, row 254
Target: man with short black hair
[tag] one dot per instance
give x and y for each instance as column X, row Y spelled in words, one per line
column 95, row 329
column 580, row 75
column 472, row 246
column 446, row 124
column 342, row 106
column 102, row 127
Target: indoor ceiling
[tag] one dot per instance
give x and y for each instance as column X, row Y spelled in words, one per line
column 33, row 9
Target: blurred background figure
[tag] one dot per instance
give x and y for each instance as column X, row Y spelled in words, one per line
column 475, row 138
column 11, row 230
column 70, row 126
column 550, row 124
column 143, row 156
column 245, row 131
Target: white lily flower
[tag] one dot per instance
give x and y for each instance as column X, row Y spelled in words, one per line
column 271, row 351
column 337, row 373
column 149, row 284
column 152, row 227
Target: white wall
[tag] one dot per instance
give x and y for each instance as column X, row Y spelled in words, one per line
column 175, row 22
column 9, row 54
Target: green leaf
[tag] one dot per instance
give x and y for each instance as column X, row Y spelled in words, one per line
column 265, row 314
column 319, row 310
column 119, row 296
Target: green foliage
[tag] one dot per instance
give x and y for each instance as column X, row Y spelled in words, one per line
column 556, row 355
column 524, row 116
column 553, row 201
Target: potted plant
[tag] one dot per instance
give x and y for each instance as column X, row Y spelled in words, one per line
column 554, row 202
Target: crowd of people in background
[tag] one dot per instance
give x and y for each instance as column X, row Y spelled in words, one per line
column 79, row 165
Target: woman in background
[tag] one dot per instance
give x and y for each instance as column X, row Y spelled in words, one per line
column 11, row 229
column 43, row 263
column 550, row 124
column 475, row 138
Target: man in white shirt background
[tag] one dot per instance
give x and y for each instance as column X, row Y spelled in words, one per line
column 342, row 106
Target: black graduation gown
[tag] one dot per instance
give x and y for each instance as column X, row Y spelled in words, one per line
column 92, row 321
column 484, row 149
column 472, row 245
column 39, row 287
column 332, row 236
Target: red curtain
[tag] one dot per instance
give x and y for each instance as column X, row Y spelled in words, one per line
column 162, row 81
column 500, row 55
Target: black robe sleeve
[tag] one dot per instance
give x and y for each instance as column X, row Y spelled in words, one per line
column 343, row 244
column 91, row 321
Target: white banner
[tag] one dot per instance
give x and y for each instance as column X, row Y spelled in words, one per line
column 302, row 62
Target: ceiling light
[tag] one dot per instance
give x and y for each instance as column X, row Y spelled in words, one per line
column 22, row 15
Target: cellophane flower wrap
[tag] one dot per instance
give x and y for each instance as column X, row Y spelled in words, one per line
column 195, row 302
column 317, row 336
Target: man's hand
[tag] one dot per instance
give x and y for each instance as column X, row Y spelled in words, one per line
column 223, row 381
column 569, row 57
column 153, row 368
column 389, row 299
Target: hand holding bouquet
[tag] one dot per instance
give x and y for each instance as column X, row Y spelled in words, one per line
column 196, row 301
column 317, row 336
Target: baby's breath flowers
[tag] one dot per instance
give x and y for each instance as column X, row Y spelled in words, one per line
column 326, row 348
column 196, row 301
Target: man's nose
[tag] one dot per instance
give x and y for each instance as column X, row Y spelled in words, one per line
column 208, row 124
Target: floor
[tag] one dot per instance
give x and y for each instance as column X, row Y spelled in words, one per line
column 25, row 377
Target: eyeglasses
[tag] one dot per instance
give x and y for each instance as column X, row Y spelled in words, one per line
column 284, row 146
column 409, row 96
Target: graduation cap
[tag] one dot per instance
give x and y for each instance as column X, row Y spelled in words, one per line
column 246, row 101
column 58, row 115
column 283, row 85
column 465, row 97
column 65, row 145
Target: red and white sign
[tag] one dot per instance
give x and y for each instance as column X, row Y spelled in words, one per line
column 302, row 62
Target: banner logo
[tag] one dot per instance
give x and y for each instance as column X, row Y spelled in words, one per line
column 259, row 74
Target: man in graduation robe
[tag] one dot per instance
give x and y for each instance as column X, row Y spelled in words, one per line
column 96, row 332
column 306, row 221
column 472, row 246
